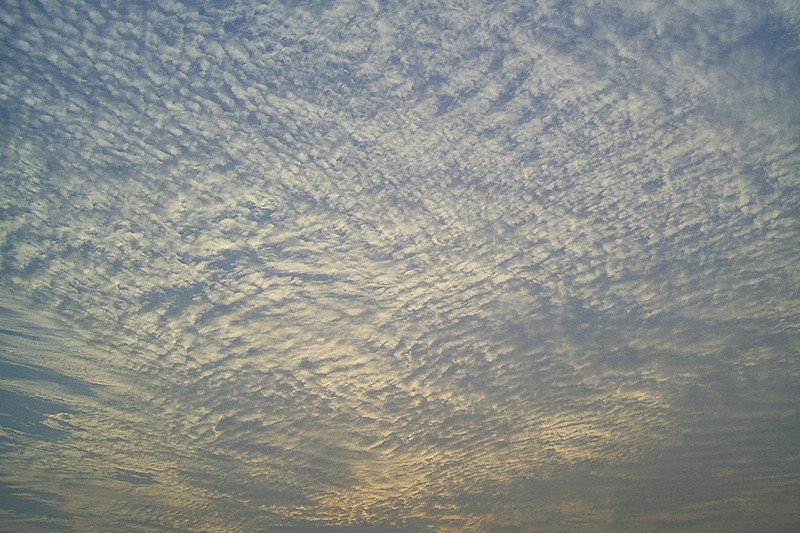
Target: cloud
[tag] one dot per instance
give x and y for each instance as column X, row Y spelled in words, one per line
column 390, row 266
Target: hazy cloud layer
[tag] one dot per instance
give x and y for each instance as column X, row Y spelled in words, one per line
column 374, row 266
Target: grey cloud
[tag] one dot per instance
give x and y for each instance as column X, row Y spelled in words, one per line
column 393, row 266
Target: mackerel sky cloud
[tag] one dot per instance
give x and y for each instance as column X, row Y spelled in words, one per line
column 399, row 266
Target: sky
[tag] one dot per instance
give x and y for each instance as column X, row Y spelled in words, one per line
column 381, row 266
